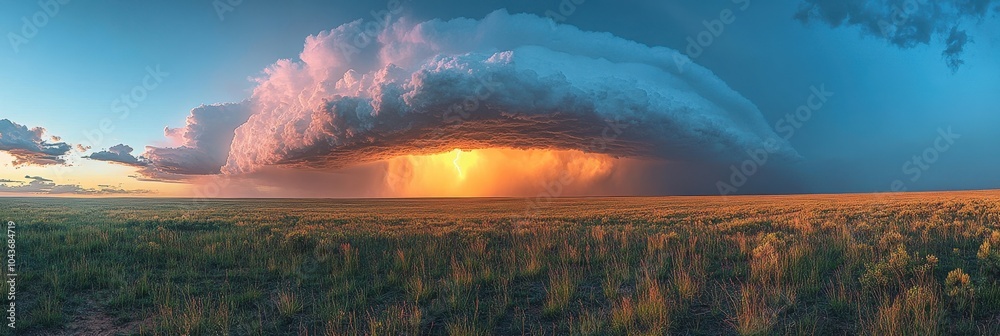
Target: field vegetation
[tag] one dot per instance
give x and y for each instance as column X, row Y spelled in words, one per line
column 880, row 264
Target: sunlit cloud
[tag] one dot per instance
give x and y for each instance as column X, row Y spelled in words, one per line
column 42, row 186
column 29, row 147
column 477, row 93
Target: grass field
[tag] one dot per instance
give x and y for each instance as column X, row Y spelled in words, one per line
column 912, row 264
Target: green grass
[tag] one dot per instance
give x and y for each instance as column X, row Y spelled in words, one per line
column 917, row 264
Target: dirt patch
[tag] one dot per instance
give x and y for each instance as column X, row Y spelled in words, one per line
column 93, row 320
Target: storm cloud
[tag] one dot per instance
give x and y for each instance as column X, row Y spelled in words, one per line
column 28, row 145
column 510, row 81
column 904, row 23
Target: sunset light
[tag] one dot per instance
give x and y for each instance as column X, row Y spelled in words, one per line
column 494, row 172
column 459, row 164
column 497, row 167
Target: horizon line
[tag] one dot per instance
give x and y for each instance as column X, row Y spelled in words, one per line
column 503, row 197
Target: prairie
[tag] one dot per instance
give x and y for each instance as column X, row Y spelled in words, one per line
column 908, row 264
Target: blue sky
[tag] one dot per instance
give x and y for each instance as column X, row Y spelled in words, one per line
column 889, row 102
column 91, row 53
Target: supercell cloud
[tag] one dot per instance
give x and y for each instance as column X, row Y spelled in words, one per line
column 506, row 81
column 28, row 146
column 512, row 81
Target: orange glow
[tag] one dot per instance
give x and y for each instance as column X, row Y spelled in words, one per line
column 494, row 172
column 458, row 165
column 88, row 174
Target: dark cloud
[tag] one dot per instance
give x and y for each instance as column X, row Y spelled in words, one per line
column 903, row 23
column 955, row 46
column 513, row 81
column 168, row 159
column 37, row 178
column 120, row 154
column 28, row 147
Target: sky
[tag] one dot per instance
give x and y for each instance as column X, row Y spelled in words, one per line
column 497, row 98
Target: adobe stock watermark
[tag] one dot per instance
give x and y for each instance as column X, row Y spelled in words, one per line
column 900, row 16
column 697, row 44
column 921, row 163
column 225, row 6
column 456, row 114
column 11, row 272
column 370, row 30
column 126, row 103
column 613, row 129
column 312, row 265
column 31, row 26
column 786, row 128
column 210, row 190
column 461, row 112
column 564, row 10
column 123, row 106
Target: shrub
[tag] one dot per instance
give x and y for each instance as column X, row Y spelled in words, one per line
column 959, row 287
column 989, row 256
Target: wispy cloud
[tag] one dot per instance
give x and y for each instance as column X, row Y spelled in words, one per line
column 37, row 178
column 43, row 186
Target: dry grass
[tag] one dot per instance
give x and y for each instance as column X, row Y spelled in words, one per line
column 916, row 264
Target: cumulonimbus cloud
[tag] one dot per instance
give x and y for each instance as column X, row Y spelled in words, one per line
column 904, row 23
column 505, row 81
column 512, row 81
column 205, row 141
column 28, row 145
